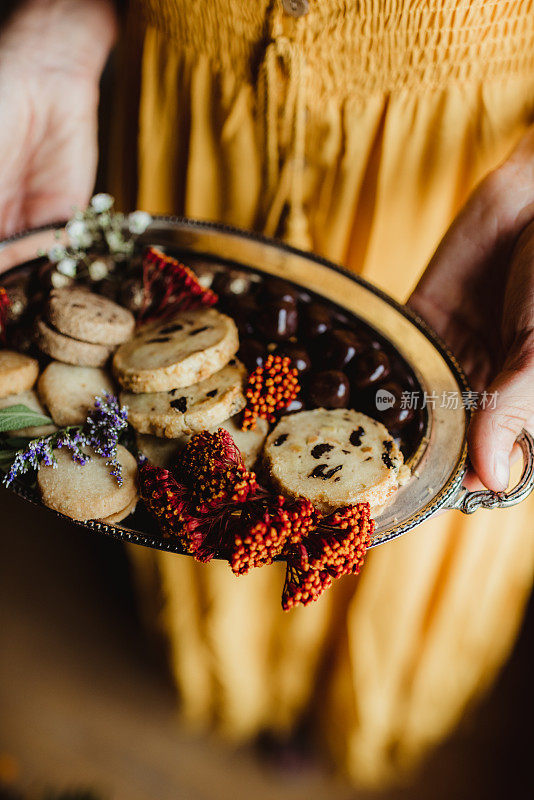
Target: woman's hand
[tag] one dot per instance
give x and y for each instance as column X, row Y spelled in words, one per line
column 478, row 294
column 52, row 53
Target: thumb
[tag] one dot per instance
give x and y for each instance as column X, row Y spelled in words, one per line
column 495, row 427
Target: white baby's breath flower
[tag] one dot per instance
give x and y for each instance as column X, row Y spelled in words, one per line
column 102, row 202
column 205, row 280
column 104, row 220
column 239, row 285
column 138, row 221
column 58, row 280
column 67, row 266
column 98, row 270
column 56, row 253
column 118, row 219
column 116, row 241
column 78, row 233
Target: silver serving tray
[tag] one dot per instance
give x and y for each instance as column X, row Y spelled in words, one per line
column 439, row 463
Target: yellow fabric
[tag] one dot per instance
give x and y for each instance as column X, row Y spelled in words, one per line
column 357, row 130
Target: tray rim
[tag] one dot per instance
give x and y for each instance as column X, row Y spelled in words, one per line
column 452, row 484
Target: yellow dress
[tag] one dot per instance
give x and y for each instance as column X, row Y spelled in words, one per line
column 357, row 130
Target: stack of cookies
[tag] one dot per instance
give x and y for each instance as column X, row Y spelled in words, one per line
column 82, row 328
column 181, row 377
column 18, row 373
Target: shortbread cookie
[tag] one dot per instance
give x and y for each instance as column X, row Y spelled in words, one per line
column 18, row 372
column 71, row 351
column 180, row 352
column 89, row 317
column 88, row 491
column 119, row 516
column 334, row 458
column 160, row 452
column 31, row 401
column 188, row 410
column 69, row 392
column 163, row 452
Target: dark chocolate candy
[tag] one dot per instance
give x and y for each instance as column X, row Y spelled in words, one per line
column 316, row 320
column 277, row 320
column 337, row 348
column 328, row 389
column 370, row 368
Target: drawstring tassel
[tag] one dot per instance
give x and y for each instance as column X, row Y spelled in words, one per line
column 285, row 186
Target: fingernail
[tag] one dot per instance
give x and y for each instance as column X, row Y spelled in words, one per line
column 501, row 469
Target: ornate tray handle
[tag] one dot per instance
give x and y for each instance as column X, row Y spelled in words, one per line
column 468, row 502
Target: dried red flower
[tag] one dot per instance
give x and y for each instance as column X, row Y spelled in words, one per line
column 303, row 519
column 5, row 304
column 340, row 541
column 271, row 388
column 201, row 510
column 303, row 586
column 219, row 510
column 265, row 529
column 336, row 547
column 259, row 537
column 170, row 502
column 169, row 287
column 212, row 467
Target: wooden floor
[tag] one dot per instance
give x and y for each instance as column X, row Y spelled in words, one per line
column 85, row 704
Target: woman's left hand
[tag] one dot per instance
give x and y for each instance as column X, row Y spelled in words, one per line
column 478, row 294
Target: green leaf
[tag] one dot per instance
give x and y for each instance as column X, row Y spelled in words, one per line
column 14, row 417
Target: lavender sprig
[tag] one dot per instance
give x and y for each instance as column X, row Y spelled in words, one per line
column 103, row 428
column 104, row 425
column 74, row 440
column 38, row 450
column 41, row 451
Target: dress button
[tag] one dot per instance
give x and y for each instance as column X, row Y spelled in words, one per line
column 296, row 8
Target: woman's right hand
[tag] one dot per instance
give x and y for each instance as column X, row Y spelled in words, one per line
column 52, row 53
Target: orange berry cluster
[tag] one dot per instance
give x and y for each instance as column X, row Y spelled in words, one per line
column 270, row 390
column 169, row 286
